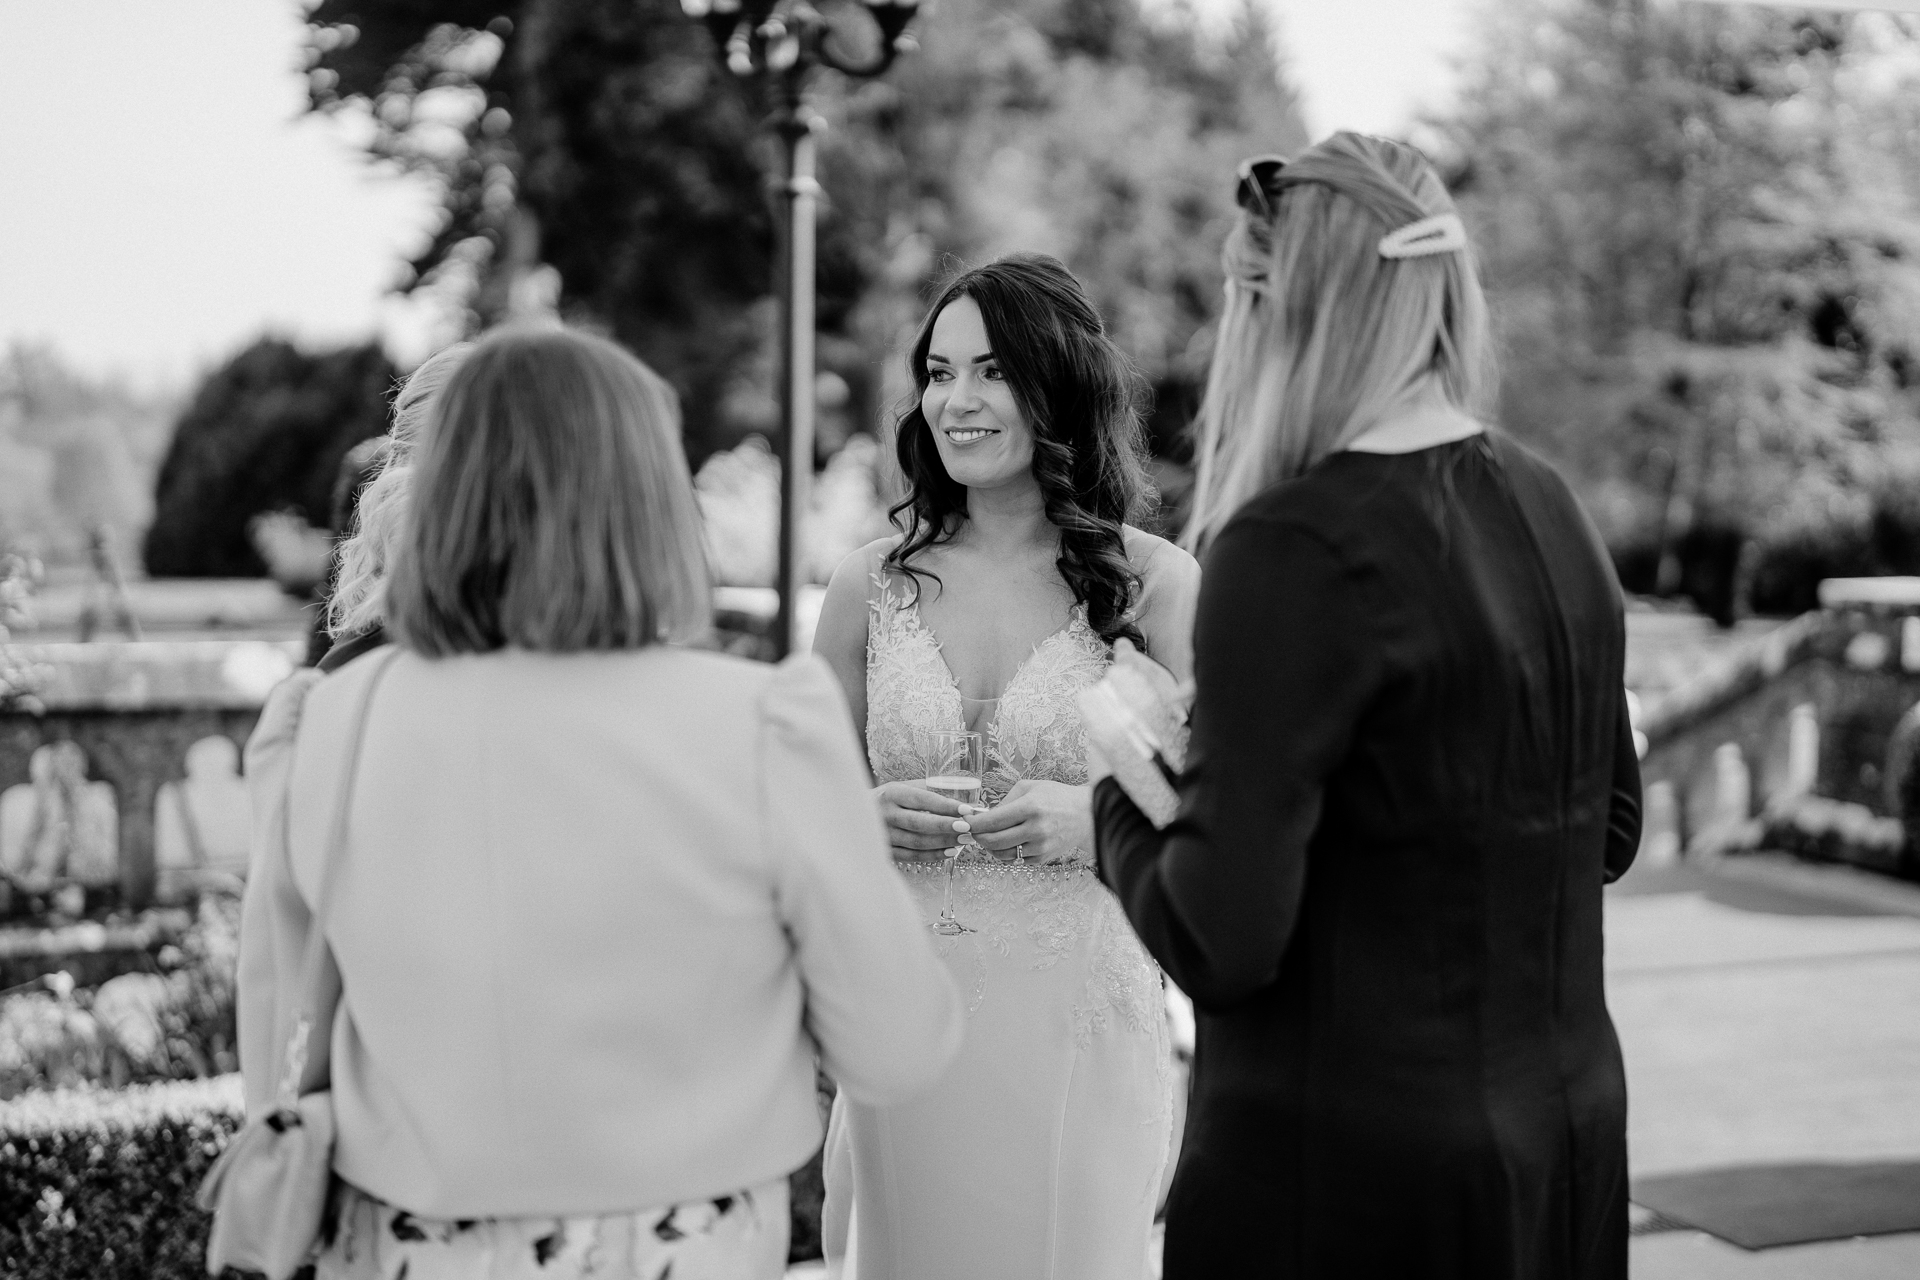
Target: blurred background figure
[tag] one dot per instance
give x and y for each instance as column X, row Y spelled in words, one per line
column 370, row 513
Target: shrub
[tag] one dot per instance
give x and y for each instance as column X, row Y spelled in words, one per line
column 96, row 1185
column 265, row 432
column 1823, row 830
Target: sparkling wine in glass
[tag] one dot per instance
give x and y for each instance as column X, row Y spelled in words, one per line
column 956, row 769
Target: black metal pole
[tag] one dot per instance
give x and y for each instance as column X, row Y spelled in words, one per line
column 798, row 191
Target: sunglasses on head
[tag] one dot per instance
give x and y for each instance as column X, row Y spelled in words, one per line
column 1252, row 179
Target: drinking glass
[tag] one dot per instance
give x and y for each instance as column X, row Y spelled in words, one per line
column 956, row 761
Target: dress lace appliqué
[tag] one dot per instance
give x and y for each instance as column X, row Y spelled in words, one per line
column 1040, row 915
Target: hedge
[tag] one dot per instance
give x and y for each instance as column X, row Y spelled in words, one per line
column 99, row 1184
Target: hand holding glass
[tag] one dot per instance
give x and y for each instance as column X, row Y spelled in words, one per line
column 956, row 768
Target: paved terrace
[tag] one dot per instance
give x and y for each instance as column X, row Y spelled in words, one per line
column 1770, row 1013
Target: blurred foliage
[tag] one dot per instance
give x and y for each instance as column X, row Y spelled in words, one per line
column 603, row 139
column 739, row 494
column 77, row 455
column 1701, row 227
column 1080, row 128
column 20, row 675
column 600, row 137
column 99, row 1185
column 265, row 432
column 177, row 1023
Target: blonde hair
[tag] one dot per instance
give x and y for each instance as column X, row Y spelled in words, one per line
column 359, row 600
column 552, row 509
column 1322, row 334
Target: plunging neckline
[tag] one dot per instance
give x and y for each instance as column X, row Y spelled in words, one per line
column 921, row 625
column 1032, row 730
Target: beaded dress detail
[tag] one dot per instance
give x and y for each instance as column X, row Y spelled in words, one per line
column 1040, row 913
column 1053, row 1123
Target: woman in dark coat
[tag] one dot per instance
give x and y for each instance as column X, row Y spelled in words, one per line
column 1411, row 772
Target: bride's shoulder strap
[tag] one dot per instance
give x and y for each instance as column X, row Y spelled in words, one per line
column 886, row 594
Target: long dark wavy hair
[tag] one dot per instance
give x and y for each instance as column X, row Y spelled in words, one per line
column 1082, row 399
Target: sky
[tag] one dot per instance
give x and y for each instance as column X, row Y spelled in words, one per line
column 163, row 200
column 1369, row 65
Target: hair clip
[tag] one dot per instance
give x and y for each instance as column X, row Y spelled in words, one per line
column 1442, row 233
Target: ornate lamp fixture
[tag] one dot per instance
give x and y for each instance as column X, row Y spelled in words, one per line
column 776, row 36
column 785, row 42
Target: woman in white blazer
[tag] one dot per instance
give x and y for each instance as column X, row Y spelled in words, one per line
column 602, row 901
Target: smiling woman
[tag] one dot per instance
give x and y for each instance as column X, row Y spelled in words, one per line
column 1057, row 403
column 1015, row 575
column 967, row 395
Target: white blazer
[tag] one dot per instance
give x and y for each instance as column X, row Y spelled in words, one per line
column 596, row 917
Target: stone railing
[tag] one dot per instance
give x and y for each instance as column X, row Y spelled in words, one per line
column 124, row 782
column 122, row 727
column 1814, row 708
column 129, row 772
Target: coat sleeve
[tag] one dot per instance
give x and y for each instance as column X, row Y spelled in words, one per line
column 274, row 918
column 880, row 1004
column 1623, row 813
column 1285, row 670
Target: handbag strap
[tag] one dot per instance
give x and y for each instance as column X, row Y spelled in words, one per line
column 319, row 976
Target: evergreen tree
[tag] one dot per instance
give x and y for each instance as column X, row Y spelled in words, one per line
column 265, row 432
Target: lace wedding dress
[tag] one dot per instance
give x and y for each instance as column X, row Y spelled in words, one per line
column 1039, row 1155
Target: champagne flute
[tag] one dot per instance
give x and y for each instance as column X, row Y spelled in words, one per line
column 956, row 769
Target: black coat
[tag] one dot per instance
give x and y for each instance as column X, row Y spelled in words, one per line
column 1411, row 773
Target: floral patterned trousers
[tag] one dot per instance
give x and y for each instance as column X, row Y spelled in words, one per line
column 742, row 1236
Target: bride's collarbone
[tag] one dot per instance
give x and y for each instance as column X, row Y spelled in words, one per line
column 986, row 635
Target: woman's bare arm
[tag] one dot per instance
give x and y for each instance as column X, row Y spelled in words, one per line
column 841, row 636
column 1169, row 592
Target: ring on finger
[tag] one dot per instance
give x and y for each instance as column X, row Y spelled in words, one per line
column 1020, row 850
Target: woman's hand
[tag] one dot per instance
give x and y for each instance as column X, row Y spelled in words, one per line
column 921, row 824
column 1053, row 820
column 1161, row 701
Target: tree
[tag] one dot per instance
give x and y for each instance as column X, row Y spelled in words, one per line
column 602, row 138
column 263, row 433
column 599, row 137
column 77, row 455
column 1701, row 226
column 1082, row 129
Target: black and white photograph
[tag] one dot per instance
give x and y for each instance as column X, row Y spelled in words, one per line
column 960, row 639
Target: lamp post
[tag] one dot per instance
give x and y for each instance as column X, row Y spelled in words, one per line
column 785, row 42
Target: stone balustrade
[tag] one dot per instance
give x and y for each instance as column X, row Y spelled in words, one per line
column 124, row 783
column 127, row 778
column 1816, row 707
column 83, row 779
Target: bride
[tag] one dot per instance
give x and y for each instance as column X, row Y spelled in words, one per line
column 1040, row 1152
